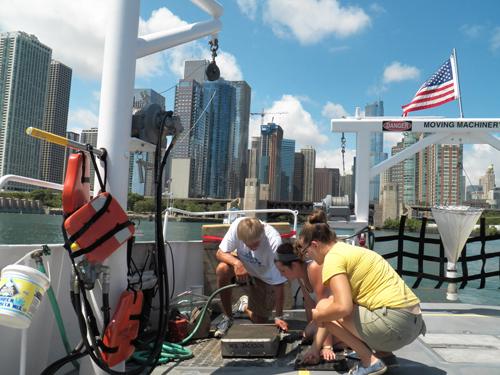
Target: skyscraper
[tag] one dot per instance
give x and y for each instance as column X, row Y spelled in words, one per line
column 55, row 121
column 411, row 176
column 24, row 70
column 270, row 158
column 309, row 166
column 377, row 153
column 287, row 168
column 326, row 182
column 253, row 158
column 487, row 181
column 238, row 142
column 192, row 143
column 298, row 177
column 440, row 175
column 219, row 97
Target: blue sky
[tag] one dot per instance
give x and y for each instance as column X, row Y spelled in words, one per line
column 313, row 59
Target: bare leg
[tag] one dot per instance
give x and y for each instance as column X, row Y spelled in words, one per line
column 346, row 332
column 224, row 273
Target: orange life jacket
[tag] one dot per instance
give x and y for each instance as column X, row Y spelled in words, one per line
column 122, row 330
column 76, row 189
column 98, row 228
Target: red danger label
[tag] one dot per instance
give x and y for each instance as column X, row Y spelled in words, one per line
column 396, row 126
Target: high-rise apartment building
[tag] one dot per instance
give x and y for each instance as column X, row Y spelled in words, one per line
column 238, row 141
column 89, row 136
column 298, row 177
column 24, row 71
column 377, row 153
column 287, row 168
column 309, row 166
column 270, row 158
column 487, row 181
column 55, row 121
column 396, row 175
column 441, row 177
column 410, row 171
column 326, row 182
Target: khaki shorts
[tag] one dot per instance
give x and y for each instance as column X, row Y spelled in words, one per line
column 387, row 329
column 261, row 298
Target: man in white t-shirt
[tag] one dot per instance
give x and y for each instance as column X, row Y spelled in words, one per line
column 247, row 250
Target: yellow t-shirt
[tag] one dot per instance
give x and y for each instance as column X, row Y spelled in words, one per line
column 374, row 283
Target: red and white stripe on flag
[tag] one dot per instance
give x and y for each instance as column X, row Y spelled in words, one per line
column 441, row 88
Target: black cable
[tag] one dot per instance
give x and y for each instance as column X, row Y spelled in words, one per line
column 173, row 268
column 55, row 366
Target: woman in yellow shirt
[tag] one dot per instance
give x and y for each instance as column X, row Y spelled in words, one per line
column 374, row 312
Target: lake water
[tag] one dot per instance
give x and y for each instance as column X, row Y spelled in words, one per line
column 46, row 229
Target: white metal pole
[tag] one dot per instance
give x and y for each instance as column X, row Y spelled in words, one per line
column 362, row 188
column 24, row 350
column 455, row 67
column 115, row 118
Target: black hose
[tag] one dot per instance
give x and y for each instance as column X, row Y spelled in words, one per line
column 54, row 367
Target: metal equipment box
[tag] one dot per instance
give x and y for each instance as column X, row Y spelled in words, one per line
column 251, row 340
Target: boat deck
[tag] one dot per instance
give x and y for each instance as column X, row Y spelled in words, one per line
column 460, row 339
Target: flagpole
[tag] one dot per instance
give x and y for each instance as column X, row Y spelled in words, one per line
column 458, row 84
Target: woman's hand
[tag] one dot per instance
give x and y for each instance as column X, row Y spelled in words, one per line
column 327, row 353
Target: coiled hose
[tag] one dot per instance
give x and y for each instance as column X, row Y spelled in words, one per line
column 176, row 351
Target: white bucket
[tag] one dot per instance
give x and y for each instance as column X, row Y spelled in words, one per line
column 21, row 291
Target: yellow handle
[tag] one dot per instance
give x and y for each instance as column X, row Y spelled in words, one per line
column 46, row 136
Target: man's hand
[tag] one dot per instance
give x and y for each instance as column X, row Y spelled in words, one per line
column 311, row 356
column 240, row 272
column 281, row 324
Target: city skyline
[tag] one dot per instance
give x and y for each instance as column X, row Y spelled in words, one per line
column 348, row 62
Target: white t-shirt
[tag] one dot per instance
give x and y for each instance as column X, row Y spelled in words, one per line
column 258, row 263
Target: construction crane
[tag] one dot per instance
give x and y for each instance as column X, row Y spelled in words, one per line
column 262, row 114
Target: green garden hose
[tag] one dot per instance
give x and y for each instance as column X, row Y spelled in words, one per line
column 55, row 306
column 175, row 351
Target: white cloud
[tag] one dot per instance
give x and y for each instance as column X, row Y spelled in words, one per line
column 390, row 140
column 80, row 119
column 73, row 29
column 334, row 110
column 476, row 161
column 333, row 159
column 297, row 123
column 376, row 8
column 471, row 31
column 248, row 8
column 495, row 39
column 78, row 39
column 397, row 72
column 312, row 20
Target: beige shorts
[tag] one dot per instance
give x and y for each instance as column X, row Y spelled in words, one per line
column 261, row 298
column 387, row 329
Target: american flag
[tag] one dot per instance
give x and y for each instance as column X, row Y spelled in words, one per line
column 441, row 88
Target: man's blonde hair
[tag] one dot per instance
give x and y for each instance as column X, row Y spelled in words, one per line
column 250, row 230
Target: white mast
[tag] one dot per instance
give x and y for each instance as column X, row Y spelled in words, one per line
column 122, row 48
